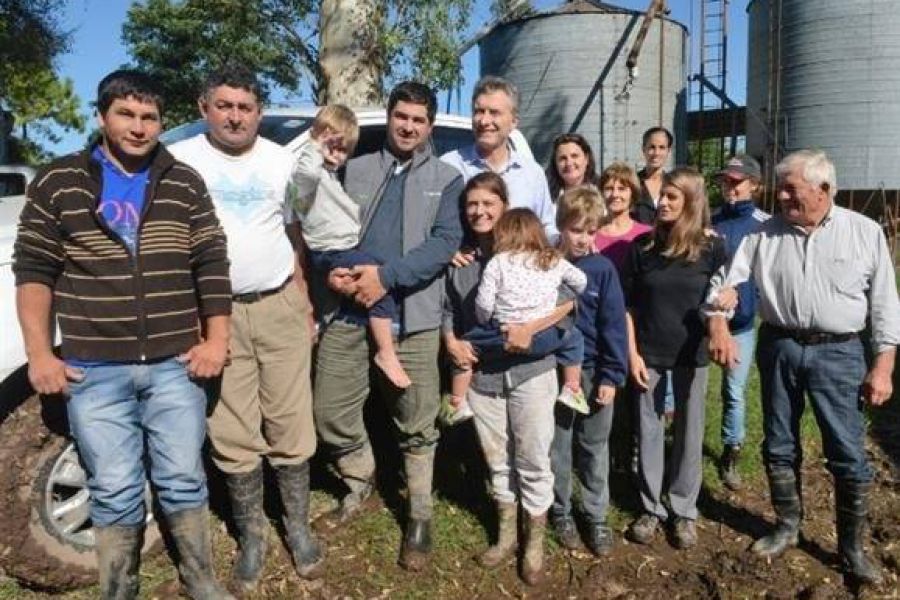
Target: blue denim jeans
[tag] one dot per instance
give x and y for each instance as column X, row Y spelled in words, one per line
column 831, row 376
column 584, row 438
column 126, row 416
column 566, row 343
column 734, row 385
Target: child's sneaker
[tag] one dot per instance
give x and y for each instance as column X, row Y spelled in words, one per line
column 574, row 399
column 454, row 415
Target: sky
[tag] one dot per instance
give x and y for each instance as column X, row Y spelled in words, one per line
column 97, row 48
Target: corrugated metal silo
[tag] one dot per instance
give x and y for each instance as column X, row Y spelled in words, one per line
column 569, row 65
column 826, row 74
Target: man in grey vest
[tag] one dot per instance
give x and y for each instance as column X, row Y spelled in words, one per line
column 409, row 203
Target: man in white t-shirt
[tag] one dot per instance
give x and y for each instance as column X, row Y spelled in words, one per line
column 265, row 405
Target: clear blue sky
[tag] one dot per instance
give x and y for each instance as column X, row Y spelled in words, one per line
column 97, row 47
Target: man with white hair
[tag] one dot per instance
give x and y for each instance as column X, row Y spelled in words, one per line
column 821, row 271
column 495, row 115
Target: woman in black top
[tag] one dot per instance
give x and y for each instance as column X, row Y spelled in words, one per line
column 665, row 280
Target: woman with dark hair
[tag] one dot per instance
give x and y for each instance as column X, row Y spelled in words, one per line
column 572, row 164
column 665, row 280
column 511, row 395
column 656, row 144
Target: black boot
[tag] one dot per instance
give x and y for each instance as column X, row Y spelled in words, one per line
column 293, row 483
column 415, row 552
column 852, row 503
column 728, row 468
column 245, row 490
column 190, row 531
column 118, row 557
column 786, row 501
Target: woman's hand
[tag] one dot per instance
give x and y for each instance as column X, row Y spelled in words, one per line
column 461, row 353
column 639, row 371
column 463, row 258
column 518, row 337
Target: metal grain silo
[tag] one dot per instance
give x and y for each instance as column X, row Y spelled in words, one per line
column 826, row 74
column 569, row 65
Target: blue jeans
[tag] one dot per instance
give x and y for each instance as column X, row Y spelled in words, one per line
column 586, row 439
column 326, row 260
column 734, row 385
column 831, row 375
column 125, row 415
column 566, row 343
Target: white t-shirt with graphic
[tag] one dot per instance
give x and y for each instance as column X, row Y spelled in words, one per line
column 252, row 195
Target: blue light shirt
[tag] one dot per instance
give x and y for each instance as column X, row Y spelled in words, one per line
column 121, row 199
column 525, row 181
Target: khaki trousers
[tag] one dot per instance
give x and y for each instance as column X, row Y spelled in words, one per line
column 265, row 405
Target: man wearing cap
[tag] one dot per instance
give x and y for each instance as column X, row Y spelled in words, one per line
column 737, row 217
column 821, row 272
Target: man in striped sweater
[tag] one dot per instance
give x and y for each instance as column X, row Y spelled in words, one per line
column 123, row 242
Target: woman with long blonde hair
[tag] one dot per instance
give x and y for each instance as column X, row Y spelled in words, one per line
column 665, row 280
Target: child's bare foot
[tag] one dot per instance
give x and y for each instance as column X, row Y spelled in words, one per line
column 390, row 365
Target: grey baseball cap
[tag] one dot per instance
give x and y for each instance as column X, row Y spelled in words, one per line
column 741, row 166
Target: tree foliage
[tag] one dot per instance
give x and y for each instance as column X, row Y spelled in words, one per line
column 31, row 39
column 179, row 41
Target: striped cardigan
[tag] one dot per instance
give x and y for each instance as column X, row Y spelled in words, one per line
column 109, row 304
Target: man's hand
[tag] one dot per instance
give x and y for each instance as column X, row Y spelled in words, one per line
column 606, row 394
column 723, row 349
column 463, row 258
column 877, row 386
column 726, row 299
column 49, row 375
column 461, row 353
column 518, row 337
column 639, row 371
column 206, row 359
column 341, row 281
column 368, row 285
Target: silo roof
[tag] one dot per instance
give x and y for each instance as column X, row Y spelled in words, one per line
column 574, row 7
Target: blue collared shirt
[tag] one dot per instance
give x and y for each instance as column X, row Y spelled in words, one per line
column 524, row 178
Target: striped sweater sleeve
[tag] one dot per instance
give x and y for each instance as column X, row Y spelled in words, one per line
column 38, row 254
column 209, row 259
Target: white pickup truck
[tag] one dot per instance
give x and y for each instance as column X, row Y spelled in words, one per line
column 46, row 540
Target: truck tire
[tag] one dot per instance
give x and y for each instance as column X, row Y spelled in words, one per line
column 46, row 539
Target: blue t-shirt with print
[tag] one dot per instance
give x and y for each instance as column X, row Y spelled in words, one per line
column 121, row 199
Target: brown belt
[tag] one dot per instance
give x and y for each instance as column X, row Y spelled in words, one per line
column 806, row 337
column 251, row 297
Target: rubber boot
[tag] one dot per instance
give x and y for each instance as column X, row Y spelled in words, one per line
column 728, row 469
column 293, row 483
column 506, row 537
column 786, row 501
column 416, row 550
column 852, row 503
column 118, row 558
column 245, row 490
column 190, row 531
column 533, row 557
column 357, row 471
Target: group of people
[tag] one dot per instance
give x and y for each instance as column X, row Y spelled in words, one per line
column 191, row 284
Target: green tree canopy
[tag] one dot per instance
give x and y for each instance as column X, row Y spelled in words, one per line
column 39, row 101
column 179, row 41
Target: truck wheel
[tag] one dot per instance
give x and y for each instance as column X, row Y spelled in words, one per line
column 46, row 538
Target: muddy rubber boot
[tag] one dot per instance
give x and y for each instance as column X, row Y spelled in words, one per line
column 357, row 471
column 293, row 483
column 728, row 470
column 533, row 557
column 786, row 501
column 415, row 552
column 245, row 491
column 497, row 554
column 852, row 503
column 190, row 531
column 118, row 559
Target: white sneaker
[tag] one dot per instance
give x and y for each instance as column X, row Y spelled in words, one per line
column 574, row 400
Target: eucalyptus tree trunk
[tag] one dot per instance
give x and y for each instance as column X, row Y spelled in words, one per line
column 349, row 51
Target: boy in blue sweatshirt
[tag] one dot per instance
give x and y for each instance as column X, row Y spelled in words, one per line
column 740, row 182
column 600, row 316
